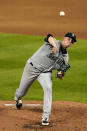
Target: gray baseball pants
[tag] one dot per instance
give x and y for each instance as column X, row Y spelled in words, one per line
column 45, row 79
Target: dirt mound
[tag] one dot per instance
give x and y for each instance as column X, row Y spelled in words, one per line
column 65, row 116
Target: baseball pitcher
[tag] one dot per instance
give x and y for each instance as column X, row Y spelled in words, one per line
column 52, row 55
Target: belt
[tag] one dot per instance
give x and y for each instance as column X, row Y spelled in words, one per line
column 36, row 68
column 47, row 72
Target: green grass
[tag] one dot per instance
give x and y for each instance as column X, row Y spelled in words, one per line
column 15, row 49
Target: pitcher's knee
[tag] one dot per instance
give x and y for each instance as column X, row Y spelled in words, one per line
column 48, row 88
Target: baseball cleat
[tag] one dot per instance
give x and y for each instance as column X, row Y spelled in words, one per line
column 45, row 122
column 18, row 104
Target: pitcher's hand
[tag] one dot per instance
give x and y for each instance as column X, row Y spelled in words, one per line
column 60, row 75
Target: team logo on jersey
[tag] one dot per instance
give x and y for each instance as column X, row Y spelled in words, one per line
column 52, row 56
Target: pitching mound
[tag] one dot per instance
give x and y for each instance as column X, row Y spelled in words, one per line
column 66, row 116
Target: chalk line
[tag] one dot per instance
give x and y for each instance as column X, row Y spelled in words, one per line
column 32, row 105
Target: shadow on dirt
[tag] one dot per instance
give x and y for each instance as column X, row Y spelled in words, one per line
column 36, row 126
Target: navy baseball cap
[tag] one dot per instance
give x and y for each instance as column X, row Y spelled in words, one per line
column 71, row 35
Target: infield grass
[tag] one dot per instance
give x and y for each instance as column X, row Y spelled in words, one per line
column 15, row 49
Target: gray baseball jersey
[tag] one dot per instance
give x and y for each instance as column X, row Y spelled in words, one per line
column 44, row 60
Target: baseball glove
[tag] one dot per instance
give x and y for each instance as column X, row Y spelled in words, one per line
column 62, row 70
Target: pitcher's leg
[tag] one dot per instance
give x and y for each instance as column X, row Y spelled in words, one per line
column 27, row 79
column 45, row 80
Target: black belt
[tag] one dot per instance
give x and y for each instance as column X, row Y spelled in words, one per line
column 36, row 68
column 47, row 71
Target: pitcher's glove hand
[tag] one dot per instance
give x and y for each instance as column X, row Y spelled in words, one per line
column 62, row 70
column 60, row 75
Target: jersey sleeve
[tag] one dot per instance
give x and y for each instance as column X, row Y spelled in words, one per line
column 46, row 38
column 66, row 58
column 47, row 42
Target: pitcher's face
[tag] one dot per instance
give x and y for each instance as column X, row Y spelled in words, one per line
column 67, row 42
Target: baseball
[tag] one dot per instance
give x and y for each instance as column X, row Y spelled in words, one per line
column 62, row 13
